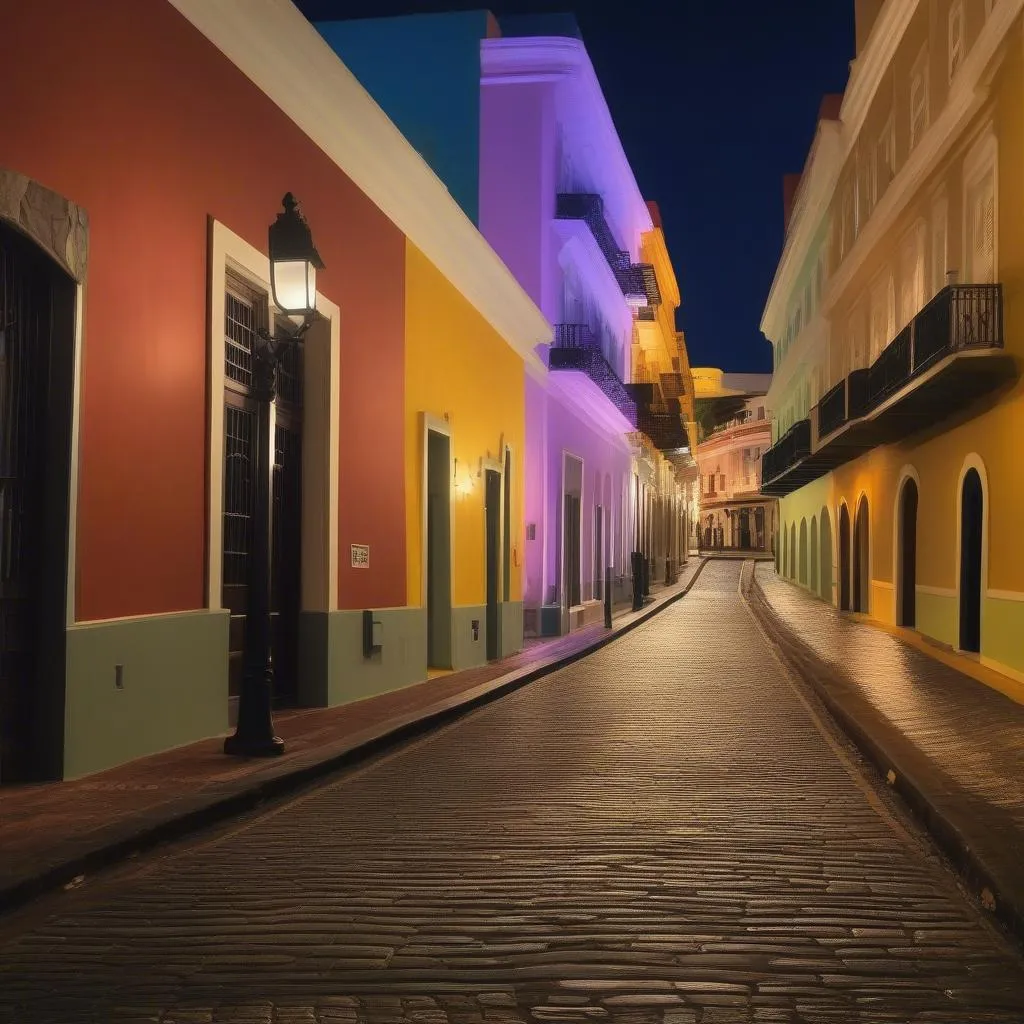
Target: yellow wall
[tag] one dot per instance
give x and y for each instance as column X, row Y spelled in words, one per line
column 457, row 365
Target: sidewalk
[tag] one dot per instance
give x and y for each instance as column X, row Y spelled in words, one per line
column 54, row 832
column 952, row 747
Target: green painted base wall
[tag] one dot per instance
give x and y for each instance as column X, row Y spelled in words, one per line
column 936, row 616
column 332, row 668
column 511, row 628
column 467, row 651
column 175, row 689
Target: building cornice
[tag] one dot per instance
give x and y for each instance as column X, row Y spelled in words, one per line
column 833, row 142
column 284, row 56
column 869, row 67
column 566, row 63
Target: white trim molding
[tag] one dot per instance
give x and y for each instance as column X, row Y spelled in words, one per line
column 1005, row 595
column 284, row 56
column 924, row 588
column 320, row 427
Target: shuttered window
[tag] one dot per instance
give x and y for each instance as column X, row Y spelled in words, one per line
column 981, row 207
column 956, row 37
column 919, row 99
column 939, row 247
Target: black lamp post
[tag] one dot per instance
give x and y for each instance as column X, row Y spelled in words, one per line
column 294, row 262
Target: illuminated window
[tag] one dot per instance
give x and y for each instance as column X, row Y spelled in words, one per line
column 919, row 98
column 956, row 37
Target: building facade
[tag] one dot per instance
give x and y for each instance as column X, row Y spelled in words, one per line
column 133, row 280
column 734, row 514
column 557, row 199
column 897, row 329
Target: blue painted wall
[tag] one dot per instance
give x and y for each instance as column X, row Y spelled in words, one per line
column 424, row 72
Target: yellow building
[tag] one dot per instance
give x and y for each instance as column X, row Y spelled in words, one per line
column 897, row 322
column 663, row 466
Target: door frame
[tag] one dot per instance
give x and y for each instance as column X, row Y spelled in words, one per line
column 975, row 462
column 321, row 431
column 908, row 472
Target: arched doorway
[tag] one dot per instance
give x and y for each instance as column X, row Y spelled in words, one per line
column 803, row 552
column 825, row 557
column 37, row 349
column 906, row 564
column 792, row 551
column 844, row 558
column 972, row 512
column 812, row 579
column 861, row 559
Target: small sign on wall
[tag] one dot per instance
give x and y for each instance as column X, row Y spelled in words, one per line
column 360, row 556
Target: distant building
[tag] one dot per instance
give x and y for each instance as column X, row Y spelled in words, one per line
column 734, row 431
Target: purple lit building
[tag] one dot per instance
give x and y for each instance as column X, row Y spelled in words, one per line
column 559, row 203
column 553, row 193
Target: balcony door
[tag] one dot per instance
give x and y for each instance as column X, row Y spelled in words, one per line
column 981, row 230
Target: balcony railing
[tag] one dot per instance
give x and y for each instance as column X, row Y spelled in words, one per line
column 960, row 317
column 576, row 347
column 857, row 395
column 793, row 446
column 633, row 278
column 832, row 409
column 892, row 369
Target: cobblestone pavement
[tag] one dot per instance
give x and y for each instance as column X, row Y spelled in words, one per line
column 658, row 834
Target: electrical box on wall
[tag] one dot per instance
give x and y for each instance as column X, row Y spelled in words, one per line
column 531, row 531
column 372, row 635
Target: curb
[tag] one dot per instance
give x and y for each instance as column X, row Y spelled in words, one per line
column 345, row 753
column 948, row 835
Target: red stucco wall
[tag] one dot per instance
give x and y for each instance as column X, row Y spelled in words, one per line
column 124, row 108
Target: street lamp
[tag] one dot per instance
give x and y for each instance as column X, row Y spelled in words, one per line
column 294, row 262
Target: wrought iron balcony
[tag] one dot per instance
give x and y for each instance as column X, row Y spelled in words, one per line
column 959, row 318
column 832, row 409
column 633, row 278
column 946, row 358
column 577, row 348
column 667, row 430
column 892, row 369
column 786, row 453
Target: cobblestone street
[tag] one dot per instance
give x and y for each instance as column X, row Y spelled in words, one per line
column 660, row 832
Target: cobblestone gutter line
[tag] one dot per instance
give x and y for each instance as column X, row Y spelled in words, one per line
column 949, row 814
column 168, row 823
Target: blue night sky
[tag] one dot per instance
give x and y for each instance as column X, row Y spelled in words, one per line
column 714, row 103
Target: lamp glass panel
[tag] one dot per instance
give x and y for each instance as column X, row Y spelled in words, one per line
column 291, row 291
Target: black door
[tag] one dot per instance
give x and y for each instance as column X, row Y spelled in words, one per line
column 245, row 314
column 598, row 592
column 492, row 500
column 36, row 379
column 971, row 512
column 572, row 550
column 844, row 558
column 745, row 529
column 908, row 560
column 861, row 560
